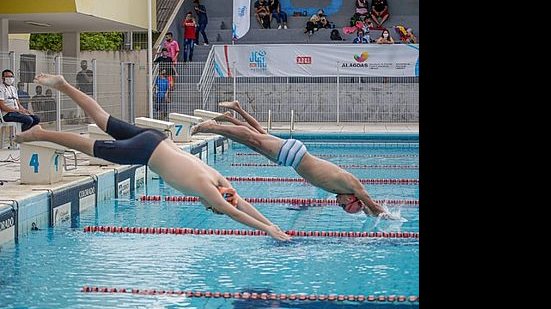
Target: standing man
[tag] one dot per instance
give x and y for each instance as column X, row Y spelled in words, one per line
column 85, row 83
column 190, row 36
column 172, row 47
column 11, row 109
column 202, row 20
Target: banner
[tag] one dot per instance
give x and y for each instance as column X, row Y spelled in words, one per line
column 317, row 60
column 241, row 18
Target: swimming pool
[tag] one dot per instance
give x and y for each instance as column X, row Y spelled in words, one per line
column 48, row 268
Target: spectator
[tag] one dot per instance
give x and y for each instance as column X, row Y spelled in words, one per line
column 11, row 109
column 335, row 35
column 318, row 20
column 165, row 63
column 161, row 94
column 410, row 37
column 23, row 95
column 361, row 38
column 85, row 79
column 385, row 38
column 48, row 106
column 190, row 28
column 37, row 99
column 202, row 20
column 362, row 10
column 379, row 9
column 280, row 16
column 172, row 47
column 262, row 13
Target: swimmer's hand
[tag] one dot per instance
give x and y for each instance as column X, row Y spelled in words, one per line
column 277, row 233
column 389, row 216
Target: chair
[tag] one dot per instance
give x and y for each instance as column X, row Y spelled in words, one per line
column 14, row 128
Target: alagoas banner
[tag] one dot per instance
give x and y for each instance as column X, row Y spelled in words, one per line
column 317, row 60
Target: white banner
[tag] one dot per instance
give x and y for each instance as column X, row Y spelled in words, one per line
column 241, row 18
column 317, row 60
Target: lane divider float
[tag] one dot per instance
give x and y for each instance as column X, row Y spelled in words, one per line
column 392, row 181
column 312, row 202
column 346, row 155
column 349, row 166
column 256, row 296
column 190, row 231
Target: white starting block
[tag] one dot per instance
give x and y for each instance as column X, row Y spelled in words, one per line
column 95, row 133
column 206, row 115
column 166, row 127
column 42, row 162
column 183, row 124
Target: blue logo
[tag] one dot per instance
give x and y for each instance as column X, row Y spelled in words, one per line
column 241, row 11
column 257, row 60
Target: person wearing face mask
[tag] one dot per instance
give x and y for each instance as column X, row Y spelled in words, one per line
column 385, row 38
column 361, row 38
column 172, row 47
column 11, row 109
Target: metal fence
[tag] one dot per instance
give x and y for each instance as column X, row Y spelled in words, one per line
column 313, row 99
column 109, row 83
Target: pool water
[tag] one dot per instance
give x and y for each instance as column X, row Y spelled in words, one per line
column 48, row 268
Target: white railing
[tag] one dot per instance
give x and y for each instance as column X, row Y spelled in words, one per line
column 207, row 79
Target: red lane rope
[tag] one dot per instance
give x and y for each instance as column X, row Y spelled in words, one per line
column 403, row 181
column 298, row 201
column 255, row 296
column 346, row 156
column 184, row 231
column 349, row 166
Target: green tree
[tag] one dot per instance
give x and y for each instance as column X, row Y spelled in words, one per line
column 88, row 41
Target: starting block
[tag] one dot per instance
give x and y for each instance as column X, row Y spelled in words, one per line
column 95, row 133
column 183, row 124
column 43, row 162
column 206, row 115
column 166, row 127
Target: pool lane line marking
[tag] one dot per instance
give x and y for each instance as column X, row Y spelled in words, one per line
column 373, row 181
column 346, row 155
column 349, row 166
column 296, row 201
column 190, row 231
column 255, row 296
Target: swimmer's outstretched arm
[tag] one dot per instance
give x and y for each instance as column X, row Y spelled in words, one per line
column 214, row 199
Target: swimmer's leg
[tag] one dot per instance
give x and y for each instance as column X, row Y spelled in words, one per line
column 234, row 105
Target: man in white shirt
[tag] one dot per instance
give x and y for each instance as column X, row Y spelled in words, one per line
column 11, row 109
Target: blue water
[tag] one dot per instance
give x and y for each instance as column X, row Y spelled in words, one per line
column 47, row 268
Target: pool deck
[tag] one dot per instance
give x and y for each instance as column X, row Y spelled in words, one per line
column 12, row 190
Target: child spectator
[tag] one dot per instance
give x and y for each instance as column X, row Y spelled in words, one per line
column 161, row 97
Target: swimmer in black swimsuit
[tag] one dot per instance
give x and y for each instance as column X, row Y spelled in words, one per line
column 133, row 145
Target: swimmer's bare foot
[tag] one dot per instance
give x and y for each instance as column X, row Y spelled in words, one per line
column 203, row 127
column 231, row 105
column 30, row 135
column 223, row 117
column 52, row 81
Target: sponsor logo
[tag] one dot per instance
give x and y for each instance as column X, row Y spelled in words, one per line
column 241, row 11
column 62, row 213
column 304, row 60
column 123, row 188
column 257, row 60
column 6, row 224
column 362, row 57
column 86, row 192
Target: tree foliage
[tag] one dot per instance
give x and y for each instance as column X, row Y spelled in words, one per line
column 88, row 41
